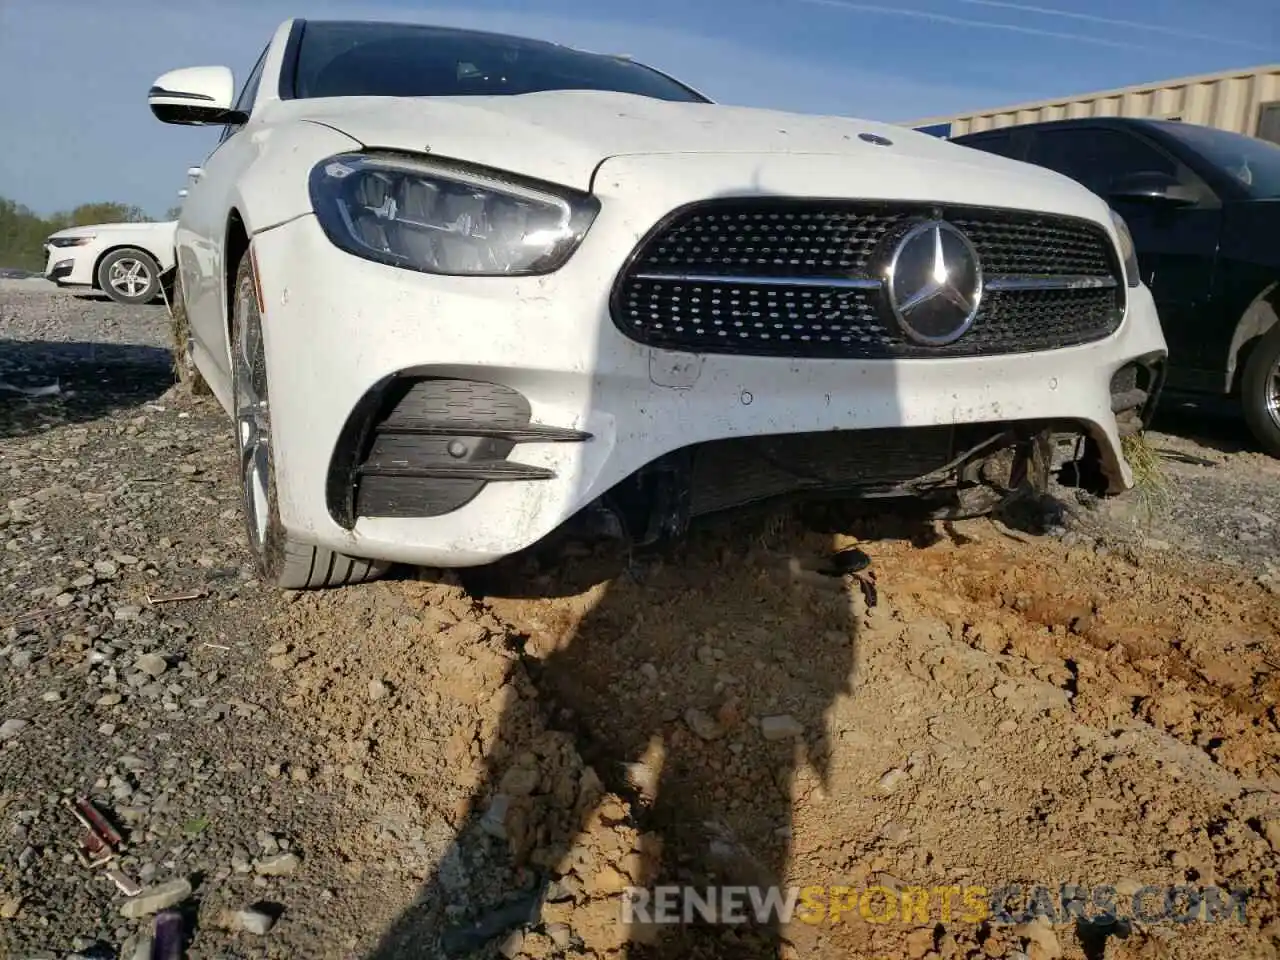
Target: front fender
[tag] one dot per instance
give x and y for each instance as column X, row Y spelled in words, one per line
column 1260, row 317
column 274, row 187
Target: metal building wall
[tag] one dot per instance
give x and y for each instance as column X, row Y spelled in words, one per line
column 1233, row 100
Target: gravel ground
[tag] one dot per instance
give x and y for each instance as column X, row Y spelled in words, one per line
column 348, row 774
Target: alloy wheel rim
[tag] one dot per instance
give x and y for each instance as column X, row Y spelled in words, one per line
column 129, row 276
column 253, row 424
column 1273, row 392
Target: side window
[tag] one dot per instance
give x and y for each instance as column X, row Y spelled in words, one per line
column 1098, row 157
column 248, row 94
column 1002, row 144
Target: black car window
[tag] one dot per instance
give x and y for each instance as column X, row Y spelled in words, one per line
column 1253, row 163
column 338, row 59
column 248, row 94
column 1098, row 157
column 998, row 143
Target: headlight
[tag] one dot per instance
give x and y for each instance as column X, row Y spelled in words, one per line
column 425, row 215
column 1127, row 250
column 68, row 241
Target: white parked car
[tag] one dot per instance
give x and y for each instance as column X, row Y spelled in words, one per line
column 457, row 289
column 123, row 260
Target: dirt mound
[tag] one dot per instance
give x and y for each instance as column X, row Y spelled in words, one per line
column 1006, row 713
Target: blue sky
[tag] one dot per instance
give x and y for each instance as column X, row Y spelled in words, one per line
column 74, row 73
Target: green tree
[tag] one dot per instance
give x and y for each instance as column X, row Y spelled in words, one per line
column 90, row 213
column 173, row 213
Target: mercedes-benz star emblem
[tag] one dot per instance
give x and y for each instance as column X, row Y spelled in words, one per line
column 934, row 282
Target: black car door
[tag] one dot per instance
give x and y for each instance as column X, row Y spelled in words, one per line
column 1176, row 235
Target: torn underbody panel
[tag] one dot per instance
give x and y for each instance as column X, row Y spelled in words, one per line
column 954, row 471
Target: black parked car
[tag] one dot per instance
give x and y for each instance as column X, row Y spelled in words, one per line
column 1203, row 206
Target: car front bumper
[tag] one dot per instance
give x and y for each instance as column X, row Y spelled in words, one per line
column 66, row 268
column 337, row 327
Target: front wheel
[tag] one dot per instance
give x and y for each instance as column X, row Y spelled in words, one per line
column 129, row 276
column 1260, row 391
column 281, row 561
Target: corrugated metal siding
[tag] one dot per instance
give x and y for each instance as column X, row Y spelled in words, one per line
column 1230, row 101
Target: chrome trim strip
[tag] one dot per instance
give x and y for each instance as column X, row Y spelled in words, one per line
column 828, row 283
column 1064, row 282
column 994, row 284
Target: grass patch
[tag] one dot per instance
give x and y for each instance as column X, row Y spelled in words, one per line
column 184, row 370
column 1149, row 479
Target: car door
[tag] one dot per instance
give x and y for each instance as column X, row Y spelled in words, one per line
column 1176, row 243
column 202, row 234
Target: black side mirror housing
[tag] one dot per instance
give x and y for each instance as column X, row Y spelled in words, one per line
column 1153, row 187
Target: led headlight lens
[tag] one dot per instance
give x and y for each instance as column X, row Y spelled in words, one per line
column 1127, row 249
column 68, row 241
column 424, row 215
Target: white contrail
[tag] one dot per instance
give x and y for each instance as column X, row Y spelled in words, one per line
column 1111, row 22
column 965, row 22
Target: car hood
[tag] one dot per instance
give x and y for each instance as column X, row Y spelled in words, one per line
column 94, row 229
column 563, row 136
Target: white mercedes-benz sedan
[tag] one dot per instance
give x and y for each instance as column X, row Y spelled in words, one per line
column 458, row 289
column 123, row 260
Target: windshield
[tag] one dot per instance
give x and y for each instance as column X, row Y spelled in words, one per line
column 337, row 59
column 1253, row 163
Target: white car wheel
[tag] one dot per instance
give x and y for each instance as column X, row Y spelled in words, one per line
column 129, row 276
column 281, row 561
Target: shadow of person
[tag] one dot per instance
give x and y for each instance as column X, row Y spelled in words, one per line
column 696, row 685
column 44, row 383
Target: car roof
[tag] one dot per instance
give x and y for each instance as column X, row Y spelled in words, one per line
column 1118, row 122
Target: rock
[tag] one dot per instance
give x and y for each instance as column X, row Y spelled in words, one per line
column 521, row 779
column 11, row 907
column 11, row 728
column 1271, row 830
column 781, row 727
column 250, row 921
column 1042, row 942
column 109, row 699
column 560, row 934
column 511, row 944
column 281, row 865
column 494, row 821
column 919, row 942
column 152, row 664
column 889, row 782
column 378, row 690
column 154, row 899
column 703, row 725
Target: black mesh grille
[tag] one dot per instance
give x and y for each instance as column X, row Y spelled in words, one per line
column 817, row 240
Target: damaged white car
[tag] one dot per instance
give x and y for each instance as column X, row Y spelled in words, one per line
column 458, row 289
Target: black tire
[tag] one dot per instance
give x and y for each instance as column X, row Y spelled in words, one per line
column 281, row 561
column 144, row 285
column 1260, row 391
